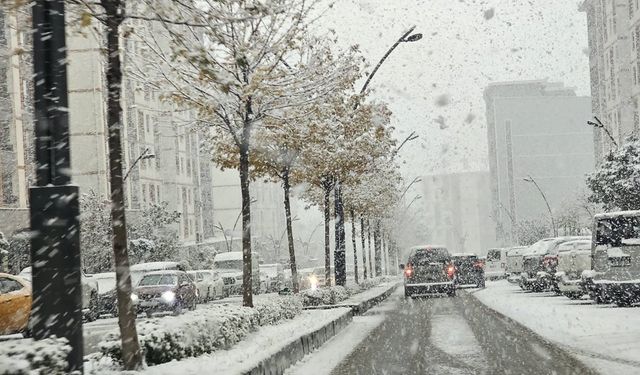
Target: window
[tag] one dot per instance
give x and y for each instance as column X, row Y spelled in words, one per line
column 147, row 121
column 144, row 193
column 8, row 285
column 152, row 194
column 631, row 6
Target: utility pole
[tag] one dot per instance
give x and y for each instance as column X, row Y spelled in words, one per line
column 54, row 209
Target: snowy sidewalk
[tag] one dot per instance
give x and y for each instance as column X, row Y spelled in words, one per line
column 604, row 337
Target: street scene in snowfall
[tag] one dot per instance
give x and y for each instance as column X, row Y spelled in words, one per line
column 319, row 187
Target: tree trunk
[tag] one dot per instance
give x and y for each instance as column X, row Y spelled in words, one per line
column 327, row 243
column 287, row 209
column 339, row 258
column 377, row 248
column 247, row 279
column 364, row 250
column 355, row 249
column 371, row 268
column 131, row 354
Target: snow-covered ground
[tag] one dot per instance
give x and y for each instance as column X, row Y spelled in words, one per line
column 604, row 337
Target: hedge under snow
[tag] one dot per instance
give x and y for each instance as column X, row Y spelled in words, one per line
column 336, row 294
column 34, row 357
column 204, row 330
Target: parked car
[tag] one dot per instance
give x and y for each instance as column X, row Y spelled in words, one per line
column 139, row 270
column 165, row 291
column 15, row 304
column 514, row 263
column 89, row 293
column 573, row 258
column 209, row 284
column 496, row 264
column 539, row 264
column 469, row 270
column 229, row 267
column 429, row 269
column 308, row 279
column 615, row 253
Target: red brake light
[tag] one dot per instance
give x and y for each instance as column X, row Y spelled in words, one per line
column 451, row 270
column 408, row 270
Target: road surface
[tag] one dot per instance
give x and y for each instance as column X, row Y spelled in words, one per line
column 450, row 336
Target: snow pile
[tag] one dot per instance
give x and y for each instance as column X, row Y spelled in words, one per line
column 202, row 331
column 29, row 356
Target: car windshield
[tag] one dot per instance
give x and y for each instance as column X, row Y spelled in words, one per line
column 164, row 279
column 228, row 264
column 493, row 255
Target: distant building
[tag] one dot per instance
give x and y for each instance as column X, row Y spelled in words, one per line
column 537, row 129
column 458, row 211
column 614, row 58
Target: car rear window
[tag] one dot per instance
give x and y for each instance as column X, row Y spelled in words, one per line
column 464, row 261
column 429, row 256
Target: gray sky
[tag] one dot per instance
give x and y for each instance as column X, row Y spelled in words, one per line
column 467, row 44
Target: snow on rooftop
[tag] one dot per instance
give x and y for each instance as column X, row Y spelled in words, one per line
column 152, row 266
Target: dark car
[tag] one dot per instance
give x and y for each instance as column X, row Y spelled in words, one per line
column 469, row 270
column 429, row 270
column 165, row 291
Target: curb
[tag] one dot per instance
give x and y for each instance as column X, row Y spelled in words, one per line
column 286, row 357
column 362, row 307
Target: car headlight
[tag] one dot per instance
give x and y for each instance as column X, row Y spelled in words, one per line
column 313, row 282
column 134, row 298
column 168, row 296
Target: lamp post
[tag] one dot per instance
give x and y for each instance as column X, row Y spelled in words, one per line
column 415, row 180
column 143, row 156
column 339, row 258
column 553, row 223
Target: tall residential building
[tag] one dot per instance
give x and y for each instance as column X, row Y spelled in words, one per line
column 614, row 58
column 458, row 210
column 178, row 172
column 535, row 129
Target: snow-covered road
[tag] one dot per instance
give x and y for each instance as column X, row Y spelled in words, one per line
column 436, row 336
column 602, row 336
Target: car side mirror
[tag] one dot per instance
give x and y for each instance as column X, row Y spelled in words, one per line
column 401, row 266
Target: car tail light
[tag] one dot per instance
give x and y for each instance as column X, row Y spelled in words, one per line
column 451, row 271
column 408, row 270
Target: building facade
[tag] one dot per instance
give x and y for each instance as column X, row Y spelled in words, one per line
column 614, row 59
column 536, row 130
column 458, row 211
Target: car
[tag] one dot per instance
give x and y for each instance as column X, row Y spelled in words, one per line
column 229, row 266
column 574, row 257
column 496, row 264
column 513, row 269
column 89, row 293
column 539, row 263
column 15, row 304
column 274, row 276
column 615, row 253
column 160, row 291
column 469, row 270
column 429, row 269
column 209, row 284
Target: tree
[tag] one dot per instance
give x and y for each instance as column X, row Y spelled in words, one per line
column 529, row 232
column 616, row 183
column 233, row 69
column 153, row 234
column 95, row 233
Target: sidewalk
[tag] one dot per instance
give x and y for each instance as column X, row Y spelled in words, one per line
column 604, row 337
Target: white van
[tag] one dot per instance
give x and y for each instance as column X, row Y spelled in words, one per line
column 514, row 263
column 229, row 267
column 496, row 264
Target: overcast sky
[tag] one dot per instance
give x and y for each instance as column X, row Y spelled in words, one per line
column 467, row 44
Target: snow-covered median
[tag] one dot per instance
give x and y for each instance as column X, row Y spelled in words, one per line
column 602, row 336
column 203, row 331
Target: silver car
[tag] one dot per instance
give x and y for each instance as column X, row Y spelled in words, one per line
column 574, row 257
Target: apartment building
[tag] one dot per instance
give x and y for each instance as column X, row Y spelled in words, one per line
column 614, row 58
column 535, row 129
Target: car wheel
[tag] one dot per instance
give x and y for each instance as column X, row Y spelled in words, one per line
column 177, row 308
column 193, row 305
column 149, row 314
column 451, row 293
column 407, row 294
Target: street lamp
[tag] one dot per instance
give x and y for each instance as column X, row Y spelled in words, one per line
column 553, row 223
column 413, row 200
column 143, row 156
